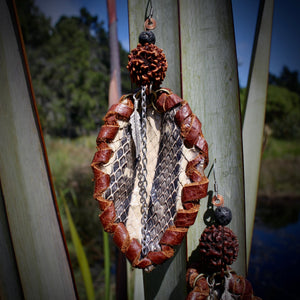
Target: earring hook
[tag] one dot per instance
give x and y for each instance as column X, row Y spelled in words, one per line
column 215, row 180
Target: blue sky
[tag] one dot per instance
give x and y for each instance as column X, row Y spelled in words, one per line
column 285, row 47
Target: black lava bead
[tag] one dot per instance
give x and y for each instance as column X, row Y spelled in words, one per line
column 223, row 215
column 147, row 37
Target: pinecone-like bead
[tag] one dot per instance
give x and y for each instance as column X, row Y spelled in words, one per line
column 147, row 64
column 218, row 247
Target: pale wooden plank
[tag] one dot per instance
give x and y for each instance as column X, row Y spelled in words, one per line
column 210, row 85
column 255, row 112
column 168, row 279
column 38, row 245
column 10, row 285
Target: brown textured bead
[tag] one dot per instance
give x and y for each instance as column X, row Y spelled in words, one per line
column 147, row 64
column 218, row 247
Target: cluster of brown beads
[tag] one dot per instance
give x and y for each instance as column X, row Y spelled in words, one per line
column 218, row 247
column 147, row 64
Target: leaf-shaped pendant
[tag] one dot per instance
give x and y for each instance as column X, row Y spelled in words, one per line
column 135, row 122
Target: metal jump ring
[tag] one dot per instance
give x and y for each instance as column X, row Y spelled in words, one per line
column 218, row 200
column 149, row 24
column 198, row 277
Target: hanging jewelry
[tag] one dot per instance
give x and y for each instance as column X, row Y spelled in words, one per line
column 210, row 276
column 150, row 161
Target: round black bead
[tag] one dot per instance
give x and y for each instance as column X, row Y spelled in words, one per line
column 147, row 37
column 223, row 215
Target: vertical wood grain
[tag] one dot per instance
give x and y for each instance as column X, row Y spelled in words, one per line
column 38, row 244
column 210, row 85
column 255, row 111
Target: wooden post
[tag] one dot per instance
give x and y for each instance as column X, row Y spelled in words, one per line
column 210, row 84
column 255, row 111
column 36, row 235
column 10, row 285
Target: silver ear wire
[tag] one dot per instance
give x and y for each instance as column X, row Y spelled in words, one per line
column 215, row 180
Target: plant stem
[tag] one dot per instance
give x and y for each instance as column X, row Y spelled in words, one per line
column 106, row 264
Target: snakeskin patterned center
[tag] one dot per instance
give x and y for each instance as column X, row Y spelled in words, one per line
column 122, row 177
column 162, row 200
column 162, row 205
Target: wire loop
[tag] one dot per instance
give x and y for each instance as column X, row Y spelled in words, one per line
column 149, row 16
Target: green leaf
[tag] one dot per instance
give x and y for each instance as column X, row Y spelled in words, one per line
column 81, row 256
column 106, row 264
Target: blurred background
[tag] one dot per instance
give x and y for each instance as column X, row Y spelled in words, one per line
column 68, row 51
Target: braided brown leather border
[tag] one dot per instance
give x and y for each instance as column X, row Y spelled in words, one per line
column 191, row 132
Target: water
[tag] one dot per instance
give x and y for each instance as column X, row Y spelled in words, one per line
column 274, row 268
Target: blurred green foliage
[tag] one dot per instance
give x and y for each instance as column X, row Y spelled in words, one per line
column 69, row 65
column 283, row 112
column 73, row 179
column 283, row 105
column 279, row 148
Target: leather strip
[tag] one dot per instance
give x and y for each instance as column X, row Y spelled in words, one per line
column 202, row 145
column 191, row 193
column 123, row 110
column 193, row 133
column 103, row 203
column 121, row 237
column 160, row 103
column 107, row 217
column 171, row 101
column 102, row 156
column 107, row 132
column 173, row 236
column 165, row 101
column 102, row 181
column 184, row 112
column 133, row 252
column 161, row 256
column 194, row 191
column 186, row 217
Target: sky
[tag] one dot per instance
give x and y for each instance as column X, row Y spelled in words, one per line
column 285, row 45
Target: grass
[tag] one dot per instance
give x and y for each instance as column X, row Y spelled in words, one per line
column 283, row 149
column 70, row 161
column 80, row 252
column 279, row 169
column 67, row 155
